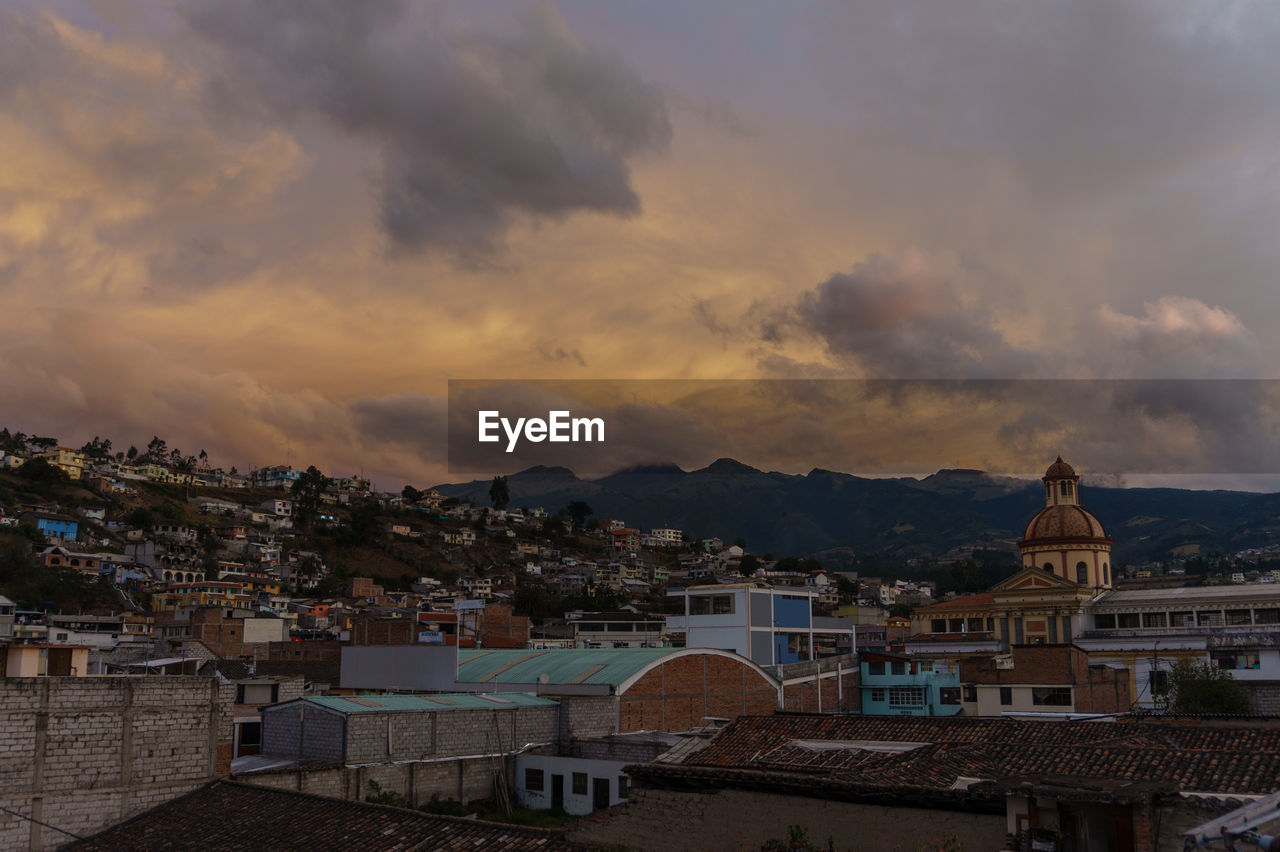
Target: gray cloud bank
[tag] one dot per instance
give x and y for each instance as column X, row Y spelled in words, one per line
column 471, row 129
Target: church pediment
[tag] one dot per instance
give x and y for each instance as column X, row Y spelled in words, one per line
column 1033, row 580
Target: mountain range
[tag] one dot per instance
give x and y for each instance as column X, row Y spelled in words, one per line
column 826, row 512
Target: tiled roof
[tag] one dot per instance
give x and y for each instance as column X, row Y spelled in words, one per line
column 979, row 600
column 933, row 753
column 227, row 815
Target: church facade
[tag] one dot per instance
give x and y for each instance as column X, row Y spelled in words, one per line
column 1063, row 594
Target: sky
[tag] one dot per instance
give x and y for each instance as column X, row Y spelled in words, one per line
column 276, row 231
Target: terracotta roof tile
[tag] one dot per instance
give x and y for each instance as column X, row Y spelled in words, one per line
column 227, row 815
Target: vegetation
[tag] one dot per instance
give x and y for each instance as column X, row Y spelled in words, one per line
column 1192, row 687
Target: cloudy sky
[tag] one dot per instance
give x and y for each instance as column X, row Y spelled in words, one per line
column 275, row 231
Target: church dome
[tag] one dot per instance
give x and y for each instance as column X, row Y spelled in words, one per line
column 1063, row 521
column 1059, row 470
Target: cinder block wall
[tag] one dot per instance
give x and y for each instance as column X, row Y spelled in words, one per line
column 83, row 753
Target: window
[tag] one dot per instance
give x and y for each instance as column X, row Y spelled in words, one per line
column 711, row 605
column 875, row 667
column 1006, row 696
column 1106, row 574
column 877, row 694
column 1048, row 566
column 1153, row 619
column 906, row 696
column 970, row 692
column 251, row 734
column 938, row 625
column 949, row 695
column 1051, row 696
column 722, row 604
column 1158, row 681
column 924, row 666
column 956, row 625
column 533, row 780
column 1082, row 573
column 579, row 783
column 898, row 667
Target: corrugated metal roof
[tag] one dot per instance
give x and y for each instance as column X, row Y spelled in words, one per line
column 406, row 703
column 559, row 665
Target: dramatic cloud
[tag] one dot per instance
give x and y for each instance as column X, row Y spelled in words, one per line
column 472, row 129
column 1179, row 336
column 908, row 318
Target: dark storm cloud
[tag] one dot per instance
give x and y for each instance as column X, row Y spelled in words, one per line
column 413, row 421
column 905, row 319
column 472, row 130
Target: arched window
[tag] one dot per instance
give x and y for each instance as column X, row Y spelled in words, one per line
column 1048, row 566
column 1082, row 573
column 1065, row 488
column 1106, row 574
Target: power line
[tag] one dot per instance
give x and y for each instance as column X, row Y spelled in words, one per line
column 38, row 822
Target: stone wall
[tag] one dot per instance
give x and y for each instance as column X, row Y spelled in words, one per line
column 655, row 819
column 83, row 753
column 1265, row 696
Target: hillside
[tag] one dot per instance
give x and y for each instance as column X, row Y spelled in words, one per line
column 822, row 510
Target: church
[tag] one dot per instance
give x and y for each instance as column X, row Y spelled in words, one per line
column 1063, row 595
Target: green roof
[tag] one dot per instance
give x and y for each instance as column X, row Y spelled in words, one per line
column 447, row 701
column 559, row 665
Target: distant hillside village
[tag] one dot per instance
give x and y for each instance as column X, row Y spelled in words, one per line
column 285, row 657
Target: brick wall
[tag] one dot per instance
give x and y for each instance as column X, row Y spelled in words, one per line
column 1265, row 696
column 373, row 631
column 683, row 691
column 501, row 628
column 87, row 752
column 309, row 651
column 827, row 695
column 729, row 819
column 1104, row 690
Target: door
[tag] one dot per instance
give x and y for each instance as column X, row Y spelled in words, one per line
column 599, row 794
column 557, row 791
column 59, row 662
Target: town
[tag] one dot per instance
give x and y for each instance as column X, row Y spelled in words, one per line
column 182, row 643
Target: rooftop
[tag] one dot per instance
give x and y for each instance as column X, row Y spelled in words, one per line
column 230, row 815
column 445, row 701
column 558, row 665
column 936, row 755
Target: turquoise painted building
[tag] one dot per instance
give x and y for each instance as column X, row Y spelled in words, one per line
column 898, row 685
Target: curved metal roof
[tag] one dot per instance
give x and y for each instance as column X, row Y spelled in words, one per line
column 559, row 665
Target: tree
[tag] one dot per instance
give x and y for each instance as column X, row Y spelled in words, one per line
column 307, row 489
column 1202, row 688
column 411, row 494
column 748, row 565
column 132, row 453
column 578, row 511
column 40, row 472
column 42, row 445
column 499, row 494
column 901, row 610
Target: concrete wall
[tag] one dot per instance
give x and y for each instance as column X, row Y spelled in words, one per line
column 83, row 753
column 463, row 780
column 655, row 819
column 551, row 766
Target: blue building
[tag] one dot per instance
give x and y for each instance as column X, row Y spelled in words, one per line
column 53, row 526
column 769, row 625
column 898, row 685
